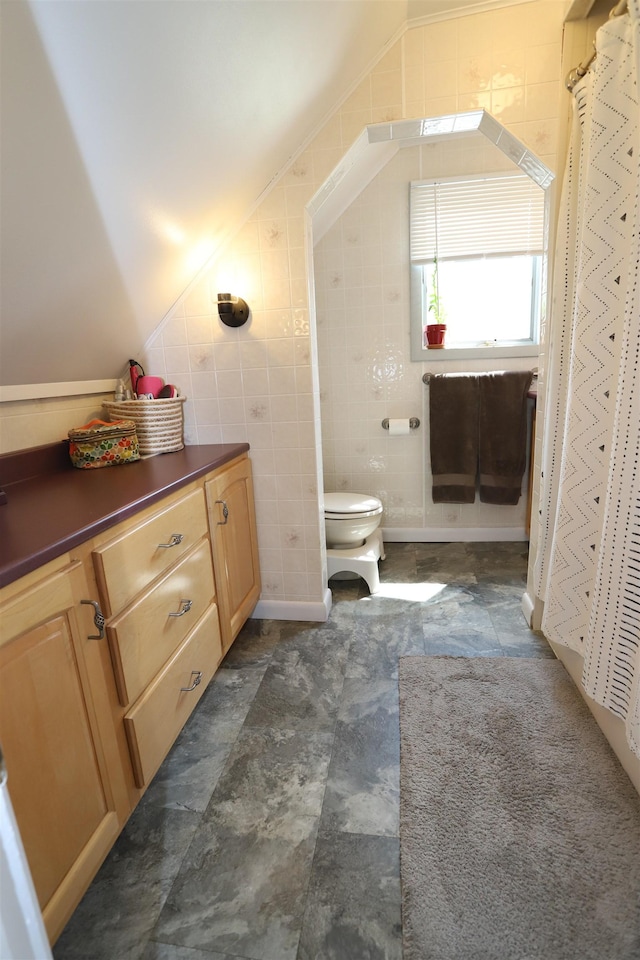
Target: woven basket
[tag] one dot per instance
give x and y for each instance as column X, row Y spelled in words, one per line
column 159, row 423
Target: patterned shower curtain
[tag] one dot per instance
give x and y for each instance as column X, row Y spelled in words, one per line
column 588, row 562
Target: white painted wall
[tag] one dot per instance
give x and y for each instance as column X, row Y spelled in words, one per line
column 64, row 302
column 136, row 137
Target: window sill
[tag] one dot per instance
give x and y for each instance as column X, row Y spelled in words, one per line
column 475, row 353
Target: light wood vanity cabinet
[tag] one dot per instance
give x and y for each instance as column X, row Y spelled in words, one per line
column 148, row 631
column 235, row 546
column 56, row 729
column 155, row 720
column 165, row 638
column 85, row 721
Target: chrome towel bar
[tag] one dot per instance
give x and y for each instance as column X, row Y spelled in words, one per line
column 428, row 377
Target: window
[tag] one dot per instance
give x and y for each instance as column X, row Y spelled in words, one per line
column 477, row 253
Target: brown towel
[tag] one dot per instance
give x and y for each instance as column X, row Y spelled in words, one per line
column 453, row 422
column 502, row 452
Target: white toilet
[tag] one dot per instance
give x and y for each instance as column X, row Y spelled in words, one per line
column 354, row 540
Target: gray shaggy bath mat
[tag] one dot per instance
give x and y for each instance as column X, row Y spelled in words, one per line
column 519, row 830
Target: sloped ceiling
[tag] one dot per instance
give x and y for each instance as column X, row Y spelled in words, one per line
column 136, row 136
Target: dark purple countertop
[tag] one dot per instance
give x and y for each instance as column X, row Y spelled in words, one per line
column 52, row 506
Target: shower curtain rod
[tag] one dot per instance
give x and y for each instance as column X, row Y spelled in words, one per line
column 579, row 72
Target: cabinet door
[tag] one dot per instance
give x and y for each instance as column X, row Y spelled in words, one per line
column 49, row 729
column 235, row 547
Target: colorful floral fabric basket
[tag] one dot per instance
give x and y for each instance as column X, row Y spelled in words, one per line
column 101, row 444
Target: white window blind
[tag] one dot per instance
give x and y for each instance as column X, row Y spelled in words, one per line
column 476, row 217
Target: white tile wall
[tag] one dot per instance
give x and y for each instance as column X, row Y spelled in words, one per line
column 366, row 373
column 29, row 423
column 256, row 383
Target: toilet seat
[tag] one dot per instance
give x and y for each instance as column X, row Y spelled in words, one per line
column 353, row 506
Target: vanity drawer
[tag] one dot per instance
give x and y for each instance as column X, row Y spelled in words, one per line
column 156, row 719
column 143, row 637
column 129, row 562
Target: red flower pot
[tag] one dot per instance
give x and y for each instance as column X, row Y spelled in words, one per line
column 435, row 335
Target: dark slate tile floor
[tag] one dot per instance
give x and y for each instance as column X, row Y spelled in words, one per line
column 271, row 830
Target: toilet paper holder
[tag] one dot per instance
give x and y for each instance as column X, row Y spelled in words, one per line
column 414, row 423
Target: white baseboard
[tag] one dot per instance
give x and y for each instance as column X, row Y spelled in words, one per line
column 453, row 534
column 302, row 610
column 533, row 608
column 528, row 607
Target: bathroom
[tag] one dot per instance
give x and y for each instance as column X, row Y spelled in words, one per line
column 273, row 382
column 367, row 373
column 267, row 372
column 267, row 383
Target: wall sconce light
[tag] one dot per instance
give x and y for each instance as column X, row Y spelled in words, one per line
column 233, row 311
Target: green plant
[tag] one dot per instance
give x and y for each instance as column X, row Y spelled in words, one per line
column 435, row 301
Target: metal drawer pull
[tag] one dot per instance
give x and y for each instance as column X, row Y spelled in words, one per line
column 225, row 513
column 185, row 606
column 98, row 619
column 176, row 538
column 198, row 679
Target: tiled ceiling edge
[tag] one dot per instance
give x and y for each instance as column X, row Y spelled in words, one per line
column 579, row 9
column 348, row 179
column 379, row 142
